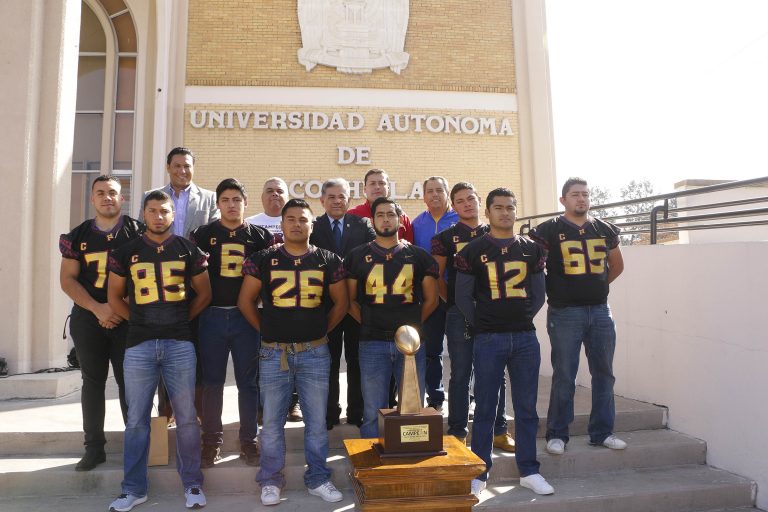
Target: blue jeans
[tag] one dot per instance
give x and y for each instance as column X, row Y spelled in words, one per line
column 221, row 331
column 434, row 334
column 142, row 367
column 379, row 360
column 460, row 351
column 568, row 329
column 519, row 353
column 308, row 371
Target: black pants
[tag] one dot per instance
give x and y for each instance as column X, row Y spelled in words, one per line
column 346, row 335
column 96, row 347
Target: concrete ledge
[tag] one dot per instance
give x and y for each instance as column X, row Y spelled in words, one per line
column 40, row 385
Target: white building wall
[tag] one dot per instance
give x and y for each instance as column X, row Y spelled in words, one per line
column 691, row 322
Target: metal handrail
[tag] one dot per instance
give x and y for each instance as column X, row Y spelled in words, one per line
column 669, row 213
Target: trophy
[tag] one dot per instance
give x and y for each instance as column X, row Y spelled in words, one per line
column 409, row 430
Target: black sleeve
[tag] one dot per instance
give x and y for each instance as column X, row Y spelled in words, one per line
column 540, row 234
column 252, row 264
column 117, row 263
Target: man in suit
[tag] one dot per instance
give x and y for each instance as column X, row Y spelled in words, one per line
column 194, row 206
column 340, row 232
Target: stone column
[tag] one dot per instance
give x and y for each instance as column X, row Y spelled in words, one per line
column 39, row 83
column 537, row 147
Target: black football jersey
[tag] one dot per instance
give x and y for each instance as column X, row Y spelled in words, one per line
column 158, row 283
column 449, row 242
column 91, row 247
column 502, row 269
column 294, row 291
column 577, row 260
column 226, row 250
column 389, row 286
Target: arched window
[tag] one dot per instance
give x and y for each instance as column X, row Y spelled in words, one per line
column 106, row 102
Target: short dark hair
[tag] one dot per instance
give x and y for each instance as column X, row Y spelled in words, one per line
column 230, row 184
column 462, row 185
column 442, row 181
column 179, row 150
column 105, row 177
column 499, row 192
column 296, row 203
column 385, row 200
column 375, row 171
column 571, row 182
column 157, row 195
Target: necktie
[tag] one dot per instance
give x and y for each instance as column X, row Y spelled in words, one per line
column 337, row 234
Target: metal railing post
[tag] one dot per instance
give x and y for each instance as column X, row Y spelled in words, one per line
column 654, row 221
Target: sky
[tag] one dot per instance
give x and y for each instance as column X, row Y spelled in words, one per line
column 666, row 90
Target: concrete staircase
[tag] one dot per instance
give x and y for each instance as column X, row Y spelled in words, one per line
column 660, row 471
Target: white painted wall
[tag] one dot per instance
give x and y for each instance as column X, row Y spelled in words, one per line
column 692, row 336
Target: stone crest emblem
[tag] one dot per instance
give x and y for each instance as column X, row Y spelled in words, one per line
column 354, row 36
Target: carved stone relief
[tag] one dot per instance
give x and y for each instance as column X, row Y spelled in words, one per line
column 354, row 36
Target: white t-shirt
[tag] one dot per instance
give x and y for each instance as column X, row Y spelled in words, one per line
column 271, row 224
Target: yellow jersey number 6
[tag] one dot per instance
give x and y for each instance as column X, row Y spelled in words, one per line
column 232, row 256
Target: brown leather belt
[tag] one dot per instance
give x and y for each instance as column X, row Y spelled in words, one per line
column 293, row 348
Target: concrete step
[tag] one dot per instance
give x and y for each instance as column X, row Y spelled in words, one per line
column 678, row 489
column 21, row 477
column 648, row 448
column 630, row 415
column 669, row 489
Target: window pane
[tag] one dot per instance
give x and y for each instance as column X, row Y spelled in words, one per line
column 126, row 33
column 123, row 155
column 90, row 83
column 80, row 199
column 126, row 83
column 86, row 154
column 113, row 6
column 92, row 37
column 125, row 181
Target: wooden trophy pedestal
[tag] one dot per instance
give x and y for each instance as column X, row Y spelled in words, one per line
column 413, row 483
column 410, row 435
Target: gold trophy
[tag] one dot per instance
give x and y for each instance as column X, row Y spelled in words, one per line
column 409, row 430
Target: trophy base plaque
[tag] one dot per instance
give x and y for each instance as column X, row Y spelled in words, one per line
column 410, row 435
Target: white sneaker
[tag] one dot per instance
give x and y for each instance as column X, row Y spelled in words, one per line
column 537, row 484
column 270, row 495
column 477, row 487
column 555, row 446
column 471, row 411
column 614, row 443
column 126, row 502
column 195, row 497
column 327, row 491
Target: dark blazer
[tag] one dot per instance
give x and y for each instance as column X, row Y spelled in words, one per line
column 357, row 231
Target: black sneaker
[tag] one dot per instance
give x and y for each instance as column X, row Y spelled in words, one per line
column 90, row 460
column 294, row 413
column 210, row 455
column 250, row 453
